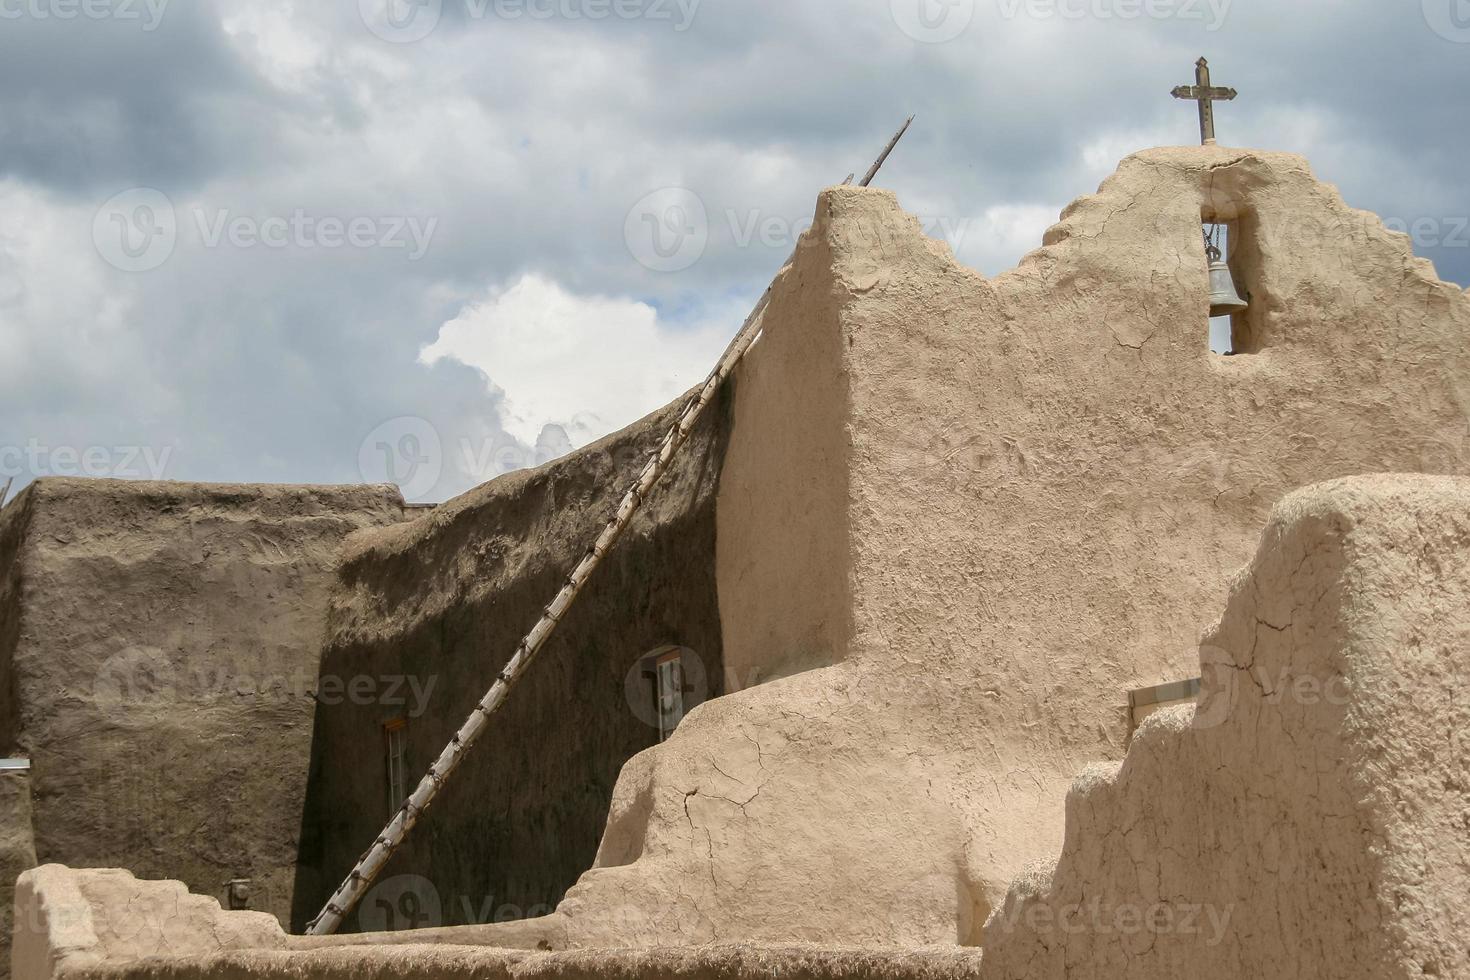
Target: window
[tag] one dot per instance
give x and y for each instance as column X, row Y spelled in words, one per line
column 1144, row 702
column 395, row 735
column 669, row 680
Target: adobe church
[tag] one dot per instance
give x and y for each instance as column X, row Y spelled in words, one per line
column 983, row 627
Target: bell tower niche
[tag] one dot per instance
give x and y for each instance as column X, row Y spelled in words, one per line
column 1228, row 295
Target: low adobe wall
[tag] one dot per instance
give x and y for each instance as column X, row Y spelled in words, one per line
column 17, row 850
column 1309, row 818
column 69, row 923
column 1306, row 819
column 92, row 925
column 162, row 643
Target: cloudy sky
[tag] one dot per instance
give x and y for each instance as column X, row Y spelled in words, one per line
column 431, row 240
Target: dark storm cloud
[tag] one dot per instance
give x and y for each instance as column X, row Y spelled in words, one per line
column 87, row 102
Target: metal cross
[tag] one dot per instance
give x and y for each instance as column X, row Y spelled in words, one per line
column 1206, row 96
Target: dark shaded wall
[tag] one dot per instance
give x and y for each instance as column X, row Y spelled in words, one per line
column 13, row 526
column 17, row 852
column 17, row 848
column 442, row 603
column 162, row 652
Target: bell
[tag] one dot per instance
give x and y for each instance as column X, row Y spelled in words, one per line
column 1224, row 299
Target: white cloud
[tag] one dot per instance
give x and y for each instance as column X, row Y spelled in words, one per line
column 284, row 46
column 997, row 239
column 1100, row 156
column 591, row 364
column 64, row 316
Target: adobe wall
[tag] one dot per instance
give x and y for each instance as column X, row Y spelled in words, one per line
column 1306, row 820
column 71, row 922
column 783, row 507
column 443, row 602
column 165, row 641
column 1045, row 481
column 1309, row 819
column 17, row 847
column 1054, row 480
column 17, row 851
column 106, row 924
column 12, row 531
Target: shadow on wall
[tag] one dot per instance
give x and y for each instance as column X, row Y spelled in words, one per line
column 430, row 612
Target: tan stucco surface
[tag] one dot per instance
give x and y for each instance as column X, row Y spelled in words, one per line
column 1308, row 819
column 1032, row 492
column 95, row 924
column 783, row 509
column 160, row 641
column 69, row 921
